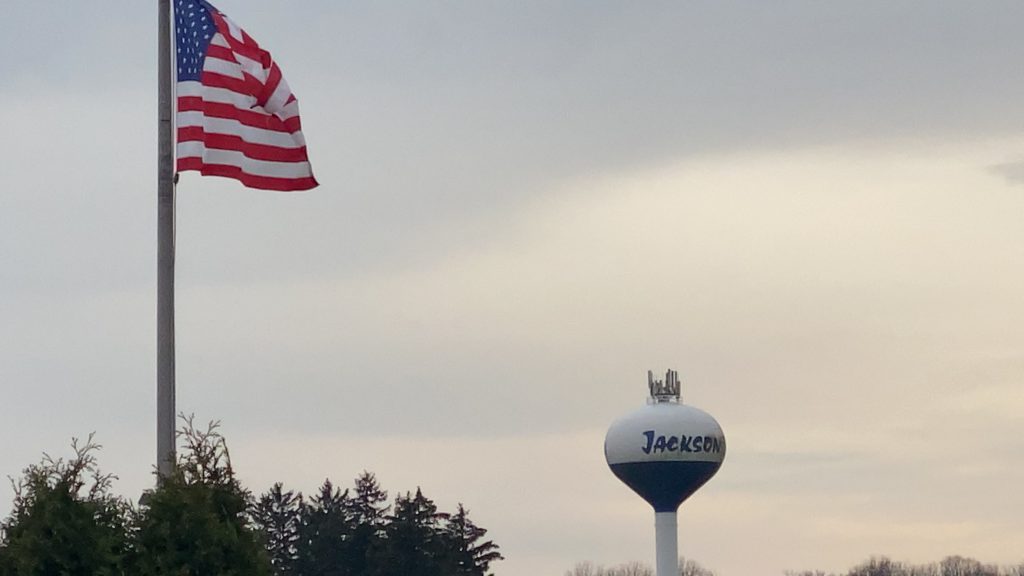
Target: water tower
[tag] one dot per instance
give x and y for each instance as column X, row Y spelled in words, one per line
column 665, row 451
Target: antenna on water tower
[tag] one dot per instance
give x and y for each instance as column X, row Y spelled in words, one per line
column 665, row 451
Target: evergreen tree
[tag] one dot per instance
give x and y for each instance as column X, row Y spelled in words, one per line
column 368, row 508
column 64, row 520
column 413, row 544
column 325, row 534
column 194, row 522
column 369, row 505
column 468, row 555
column 277, row 514
column 200, row 521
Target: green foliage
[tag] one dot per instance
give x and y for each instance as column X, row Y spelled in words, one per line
column 195, row 523
column 200, row 521
column 326, row 534
column 338, row 531
column 352, row 533
column 64, row 520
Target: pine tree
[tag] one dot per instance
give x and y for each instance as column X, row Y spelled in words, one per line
column 413, row 544
column 200, row 521
column 470, row 556
column 277, row 514
column 368, row 508
column 325, row 533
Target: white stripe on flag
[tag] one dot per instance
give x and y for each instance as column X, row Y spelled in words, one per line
column 223, row 67
column 240, row 101
column 236, row 128
column 248, row 165
column 275, row 104
column 233, row 29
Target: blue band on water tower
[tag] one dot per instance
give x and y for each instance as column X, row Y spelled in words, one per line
column 665, row 485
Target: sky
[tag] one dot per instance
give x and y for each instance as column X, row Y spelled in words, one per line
column 812, row 210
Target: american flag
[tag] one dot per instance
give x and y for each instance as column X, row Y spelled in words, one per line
column 236, row 116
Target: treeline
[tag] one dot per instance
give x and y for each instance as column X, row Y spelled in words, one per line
column 877, row 566
column 949, row 566
column 201, row 521
column 686, row 568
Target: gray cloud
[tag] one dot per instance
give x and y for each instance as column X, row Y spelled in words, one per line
column 1012, row 171
column 424, row 119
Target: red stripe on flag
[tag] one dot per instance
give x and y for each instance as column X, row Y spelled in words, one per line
column 253, row 118
column 249, row 86
column 251, row 180
column 237, row 144
column 273, row 79
column 246, row 47
column 221, row 53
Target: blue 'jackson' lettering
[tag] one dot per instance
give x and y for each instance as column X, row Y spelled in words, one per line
column 654, row 443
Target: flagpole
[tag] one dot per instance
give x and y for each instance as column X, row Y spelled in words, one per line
column 165, row 253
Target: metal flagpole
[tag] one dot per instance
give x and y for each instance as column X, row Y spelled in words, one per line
column 165, row 254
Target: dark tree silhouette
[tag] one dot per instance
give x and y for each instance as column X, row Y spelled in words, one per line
column 960, row 566
column 326, row 530
column 469, row 555
column 412, row 544
column 278, row 515
column 878, row 566
column 368, row 508
column 201, row 521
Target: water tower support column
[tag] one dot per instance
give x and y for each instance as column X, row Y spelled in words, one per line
column 666, row 542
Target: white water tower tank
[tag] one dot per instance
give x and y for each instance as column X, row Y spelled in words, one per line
column 665, row 451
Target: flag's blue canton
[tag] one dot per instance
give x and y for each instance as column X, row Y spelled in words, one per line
column 194, row 28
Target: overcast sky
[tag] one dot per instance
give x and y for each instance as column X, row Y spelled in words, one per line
column 814, row 211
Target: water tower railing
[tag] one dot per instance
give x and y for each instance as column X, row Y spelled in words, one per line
column 666, row 390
